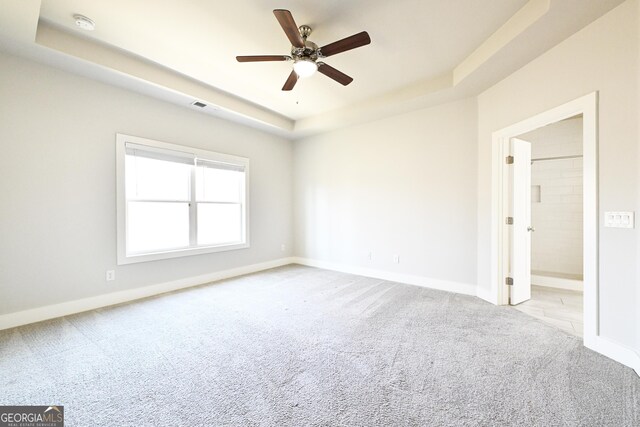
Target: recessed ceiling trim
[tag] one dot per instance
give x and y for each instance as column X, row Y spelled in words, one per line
column 398, row 102
column 86, row 49
column 535, row 28
column 516, row 25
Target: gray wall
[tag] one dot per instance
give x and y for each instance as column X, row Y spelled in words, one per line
column 57, row 186
column 402, row 185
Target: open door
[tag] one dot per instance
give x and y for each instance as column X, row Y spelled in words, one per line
column 520, row 235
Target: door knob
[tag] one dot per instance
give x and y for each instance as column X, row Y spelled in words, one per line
column 530, row 228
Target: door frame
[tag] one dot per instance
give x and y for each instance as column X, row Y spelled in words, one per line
column 587, row 106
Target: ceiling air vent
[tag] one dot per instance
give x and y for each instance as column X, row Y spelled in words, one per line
column 199, row 104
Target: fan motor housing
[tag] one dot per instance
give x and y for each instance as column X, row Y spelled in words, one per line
column 310, row 50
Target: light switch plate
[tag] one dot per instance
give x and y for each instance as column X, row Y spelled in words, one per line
column 619, row 219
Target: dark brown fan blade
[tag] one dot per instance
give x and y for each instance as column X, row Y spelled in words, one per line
column 260, row 58
column 348, row 43
column 336, row 75
column 291, row 81
column 289, row 26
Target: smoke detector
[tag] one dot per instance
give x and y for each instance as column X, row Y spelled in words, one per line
column 84, row 23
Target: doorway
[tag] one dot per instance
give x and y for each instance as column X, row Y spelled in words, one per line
column 505, row 284
column 547, row 204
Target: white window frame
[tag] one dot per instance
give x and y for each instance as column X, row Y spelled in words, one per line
column 121, row 204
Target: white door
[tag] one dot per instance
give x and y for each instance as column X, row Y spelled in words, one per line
column 520, row 251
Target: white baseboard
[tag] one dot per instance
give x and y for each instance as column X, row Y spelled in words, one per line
column 77, row 306
column 487, row 295
column 615, row 351
column 611, row 349
column 425, row 282
column 557, row 282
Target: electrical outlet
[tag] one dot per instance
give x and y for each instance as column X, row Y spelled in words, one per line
column 283, row 247
column 370, row 256
column 396, row 259
column 111, row 275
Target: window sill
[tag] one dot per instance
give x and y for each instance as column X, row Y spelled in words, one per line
column 124, row 259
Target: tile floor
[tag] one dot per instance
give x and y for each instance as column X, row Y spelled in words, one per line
column 557, row 307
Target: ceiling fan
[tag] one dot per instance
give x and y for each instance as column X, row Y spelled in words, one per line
column 306, row 55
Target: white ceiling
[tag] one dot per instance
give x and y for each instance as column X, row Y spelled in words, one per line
column 419, row 49
column 411, row 40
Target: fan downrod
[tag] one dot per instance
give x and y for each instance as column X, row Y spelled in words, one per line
column 305, row 31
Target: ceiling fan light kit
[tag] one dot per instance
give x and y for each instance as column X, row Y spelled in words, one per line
column 305, row 68
column 305, row 53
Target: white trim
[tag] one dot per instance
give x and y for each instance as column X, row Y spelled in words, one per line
column 486, row 295
column 606, row 347
column 588, row 107
column 425, row 282
column 557, row 282
column 71, row 307
column 617, row 352
column 123, row 257
column 505, row 236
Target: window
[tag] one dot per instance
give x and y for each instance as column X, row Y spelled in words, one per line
column 175, row 201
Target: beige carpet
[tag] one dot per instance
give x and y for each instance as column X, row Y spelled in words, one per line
column 297, row 346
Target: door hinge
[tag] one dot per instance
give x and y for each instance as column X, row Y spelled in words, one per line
column 509, row 160
column 509, row 220
column 508, row 281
